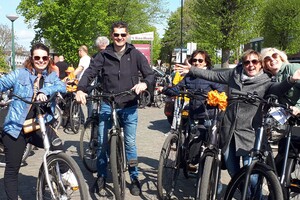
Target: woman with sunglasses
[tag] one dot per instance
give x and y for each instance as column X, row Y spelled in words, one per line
column 276, row 62
column 34, row 82
column 201, row 60
column 241, row 119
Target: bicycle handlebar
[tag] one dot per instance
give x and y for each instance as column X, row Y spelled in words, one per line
column 35, row 102
column 272, row 100
column 109, row 96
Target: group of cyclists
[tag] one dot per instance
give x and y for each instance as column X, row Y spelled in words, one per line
column 118, row 67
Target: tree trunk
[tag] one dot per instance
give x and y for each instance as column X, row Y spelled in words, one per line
column 225, row 58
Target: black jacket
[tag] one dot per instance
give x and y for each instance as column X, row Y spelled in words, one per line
column 194, row 84
column 118, row 75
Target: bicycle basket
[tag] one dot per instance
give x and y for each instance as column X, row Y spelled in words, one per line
column 276, row 124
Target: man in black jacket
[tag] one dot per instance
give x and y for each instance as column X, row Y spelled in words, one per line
column 118, row 66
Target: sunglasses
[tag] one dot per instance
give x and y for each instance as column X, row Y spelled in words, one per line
column 254, row 62
column 199, row 60
column 44, row 58
column 118, row 34
column 273, row 56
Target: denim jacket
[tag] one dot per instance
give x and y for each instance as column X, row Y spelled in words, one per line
column 21, row 81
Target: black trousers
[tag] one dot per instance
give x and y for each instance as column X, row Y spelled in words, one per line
column 14, row 150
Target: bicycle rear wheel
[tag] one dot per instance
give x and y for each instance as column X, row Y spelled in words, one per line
column 292, row 189
column 267, row 185
column 159, row 100
column 88, row 144
column 168, row 167
column 117, row 165
column 208, row 178
column 76, row 116
column 66, row 179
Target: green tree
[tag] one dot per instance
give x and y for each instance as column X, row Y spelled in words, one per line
column 4, row 67
column 67, row 24
column 281, row 25
column 224, row 24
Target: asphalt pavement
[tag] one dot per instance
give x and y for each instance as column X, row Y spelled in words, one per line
column 152, row 128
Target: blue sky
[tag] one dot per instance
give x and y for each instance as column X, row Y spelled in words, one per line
column 25, row 35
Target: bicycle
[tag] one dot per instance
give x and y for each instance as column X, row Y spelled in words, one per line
column 264, row 183
column 281, row 122
column 117, row 157
column 89, row 136
column 171, row 156
column 57, row 167
column 209, row 165
column 72, row 112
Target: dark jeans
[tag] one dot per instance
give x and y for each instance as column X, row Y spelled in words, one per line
column 14, row 150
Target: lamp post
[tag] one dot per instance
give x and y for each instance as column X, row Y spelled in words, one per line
column 181, row 29
column 12, row 18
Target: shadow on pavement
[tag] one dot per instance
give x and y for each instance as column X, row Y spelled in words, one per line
column 160, row 125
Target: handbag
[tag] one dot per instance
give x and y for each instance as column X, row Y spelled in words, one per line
column 30, row 125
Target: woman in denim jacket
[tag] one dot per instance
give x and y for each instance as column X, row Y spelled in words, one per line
column 34, row 82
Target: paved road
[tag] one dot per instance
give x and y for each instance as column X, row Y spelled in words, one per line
column 150, row 137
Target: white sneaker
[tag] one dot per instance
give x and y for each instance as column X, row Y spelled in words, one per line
column 69, row 179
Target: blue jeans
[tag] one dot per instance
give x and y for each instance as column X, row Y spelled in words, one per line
column 233, row 163
column 128, row 118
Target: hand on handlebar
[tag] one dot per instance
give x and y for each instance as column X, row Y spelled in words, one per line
column 80, row 97
column 295, row 110
column 139, row 87
column 41, row 97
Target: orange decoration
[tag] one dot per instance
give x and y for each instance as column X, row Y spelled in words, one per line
column 214, row 98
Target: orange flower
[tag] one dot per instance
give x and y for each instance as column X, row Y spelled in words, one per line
column 214, row 98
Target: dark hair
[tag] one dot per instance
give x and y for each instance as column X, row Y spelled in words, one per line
column 39, row 46
column 29, row 64
column 119, row 24
column 206, row 57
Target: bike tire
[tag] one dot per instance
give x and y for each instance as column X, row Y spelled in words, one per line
column 57, row 115
column 88, row 144
column 168, row 167
column 208, row 175
column 267, row 182
column 159, row 100
column 292, row 186
column 145, row 99
column 76, row 116
column 117, row 163
column 62, row 189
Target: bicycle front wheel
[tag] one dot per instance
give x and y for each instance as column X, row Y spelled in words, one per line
column 65, row 177
column 208, row 177
column 168, row 167
column 265, row 186
column 117, row 165
column 88, row 145
column 76, row 116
